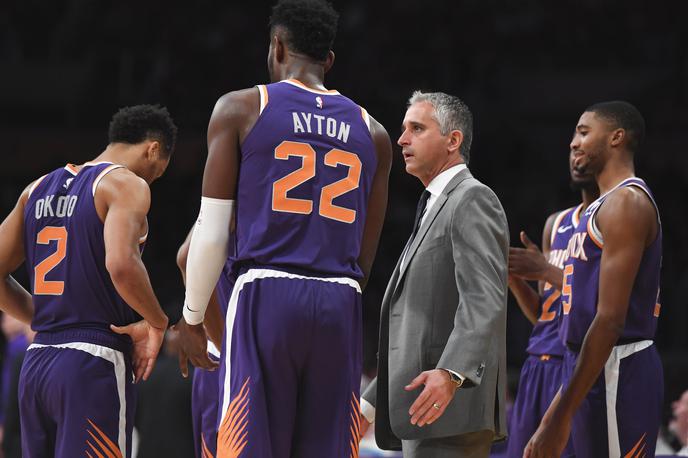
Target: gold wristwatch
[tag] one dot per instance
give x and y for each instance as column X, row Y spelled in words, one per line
column 454, row 378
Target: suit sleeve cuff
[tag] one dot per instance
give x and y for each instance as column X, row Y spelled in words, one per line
column 368, row 411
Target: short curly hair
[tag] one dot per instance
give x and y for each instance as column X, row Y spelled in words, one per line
column 623, row 115
column 138, row 123
column 311, row 25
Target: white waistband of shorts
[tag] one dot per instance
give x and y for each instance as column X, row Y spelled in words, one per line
column 256, row 274
column 628, row 349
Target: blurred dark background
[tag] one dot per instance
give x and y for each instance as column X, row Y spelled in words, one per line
column 527, row 69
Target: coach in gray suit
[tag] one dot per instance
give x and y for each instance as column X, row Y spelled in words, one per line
column 441, row 363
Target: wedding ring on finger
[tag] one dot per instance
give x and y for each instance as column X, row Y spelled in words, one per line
column 436, row 406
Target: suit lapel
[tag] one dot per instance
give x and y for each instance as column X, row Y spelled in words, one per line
column 423, row 229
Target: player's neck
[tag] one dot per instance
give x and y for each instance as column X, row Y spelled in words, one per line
column 311, row 75
column 117, row 153
column 613, row 174
column 589, row 195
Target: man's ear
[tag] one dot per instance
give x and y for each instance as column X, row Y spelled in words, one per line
column 454, row 141
column 618, row 136
column 280, row 49
column 153, row 150
column 329, row 61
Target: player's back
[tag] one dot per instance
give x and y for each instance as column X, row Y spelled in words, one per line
column 65, row 255
column 305, row 176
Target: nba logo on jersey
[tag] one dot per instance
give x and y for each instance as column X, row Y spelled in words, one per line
column 319, row 102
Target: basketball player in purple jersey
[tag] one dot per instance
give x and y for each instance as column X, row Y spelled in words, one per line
column 80, row 230
column 541, row 373
column 308, row 169
column 205, row 391
column 612, row 382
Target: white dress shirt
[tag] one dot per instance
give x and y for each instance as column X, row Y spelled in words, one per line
column 435, row 188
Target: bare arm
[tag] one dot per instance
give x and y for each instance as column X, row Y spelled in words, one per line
column 377, row 202
column 232, row 117
column 212, row 322
column 14, row 299
column 127, row 198
column 527, row 298
column 628, row 224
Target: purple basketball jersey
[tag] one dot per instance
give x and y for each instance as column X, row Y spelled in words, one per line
column 65, row 255
column 581, row 279
column 544, row 340
column 305, row 177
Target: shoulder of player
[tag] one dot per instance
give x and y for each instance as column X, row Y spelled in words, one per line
column 627, row 205
column 123, row 183
column 24, row 196
column 237, row 103
column 548, row 229
column 549, row 223
column 380, row 137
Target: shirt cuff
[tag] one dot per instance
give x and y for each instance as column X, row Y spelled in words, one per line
column 463, row 379
column 368, row 411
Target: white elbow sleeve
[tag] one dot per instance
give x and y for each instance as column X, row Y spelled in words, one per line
column 207, row 256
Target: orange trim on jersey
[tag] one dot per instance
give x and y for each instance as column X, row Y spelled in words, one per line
column 100, row 176
column 105, row 447
column 205, row 451
column 355, row 426
column 591, row 233
column 72, row 168
column 658, row 308
column 555, row 226
column 637, row 451
column 232, row 436
column 575, row 218
column 366, row 117
column 36, row 183
column 298, row 83
column 263, row 97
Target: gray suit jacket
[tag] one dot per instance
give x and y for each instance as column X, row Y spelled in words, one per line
column 446, row 308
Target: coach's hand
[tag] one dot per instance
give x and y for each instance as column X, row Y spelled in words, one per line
column 433, row 400
column 193, row 347
column 147, row 340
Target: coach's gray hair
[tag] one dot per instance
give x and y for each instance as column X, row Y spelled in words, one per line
column 451, row 114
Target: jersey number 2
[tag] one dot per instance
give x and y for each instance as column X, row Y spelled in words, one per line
column 45, row 236
column 333, row 158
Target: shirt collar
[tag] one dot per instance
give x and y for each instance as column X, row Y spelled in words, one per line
column 438, row 183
